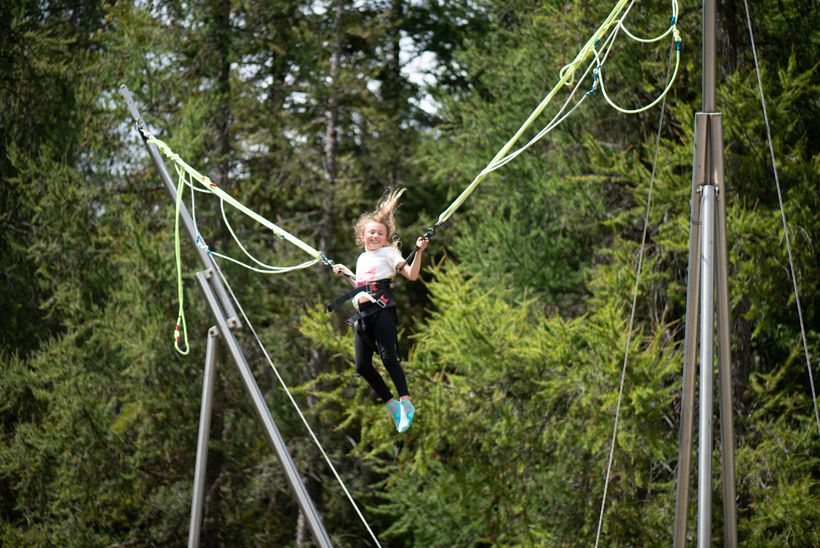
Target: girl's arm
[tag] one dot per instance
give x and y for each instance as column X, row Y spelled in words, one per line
column 411, row 272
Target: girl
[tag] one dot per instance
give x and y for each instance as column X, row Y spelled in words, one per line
column 375, row 323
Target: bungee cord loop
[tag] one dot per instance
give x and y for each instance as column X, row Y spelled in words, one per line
column 263, row 267
column 677, row 39
column 181, row 327
column 672, row 27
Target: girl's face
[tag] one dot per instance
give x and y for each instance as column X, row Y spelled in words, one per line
column 375, row 236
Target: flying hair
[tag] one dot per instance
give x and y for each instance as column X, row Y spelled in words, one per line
column 382, row 214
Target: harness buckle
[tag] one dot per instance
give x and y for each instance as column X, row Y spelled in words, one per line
column 382, row 301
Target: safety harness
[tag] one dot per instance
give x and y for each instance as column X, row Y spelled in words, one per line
column 380, row 297
column 377, row 292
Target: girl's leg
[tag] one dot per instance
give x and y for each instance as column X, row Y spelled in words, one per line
column 364, row 367
column 384, row 332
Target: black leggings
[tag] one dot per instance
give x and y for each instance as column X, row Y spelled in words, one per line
column 379, row 329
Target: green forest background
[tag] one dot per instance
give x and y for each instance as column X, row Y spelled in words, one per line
column 514, row 341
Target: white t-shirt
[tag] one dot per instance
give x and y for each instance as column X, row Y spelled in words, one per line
column 377, row 265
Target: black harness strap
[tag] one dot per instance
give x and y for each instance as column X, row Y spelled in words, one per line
column 379, row 290
column 364, row 312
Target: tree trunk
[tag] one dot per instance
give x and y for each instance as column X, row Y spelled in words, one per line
column 393, row 91
column 221, row 41
column 332, row 119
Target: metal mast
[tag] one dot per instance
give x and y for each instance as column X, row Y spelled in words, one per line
column 707, row 282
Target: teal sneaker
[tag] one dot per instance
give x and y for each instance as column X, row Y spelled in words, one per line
column 394, row 409
column 406, row 412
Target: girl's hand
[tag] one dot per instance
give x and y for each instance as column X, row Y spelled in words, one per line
column 411, row 271
column 342, row 270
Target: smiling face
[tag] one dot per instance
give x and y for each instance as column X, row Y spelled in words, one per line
column 374, row 236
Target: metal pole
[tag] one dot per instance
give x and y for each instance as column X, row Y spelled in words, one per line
column 707, row 307
column 708, row 55
column 727, row 436
column 291, row 473
column 708, row 152
column 202, row 441
column 227, row 304
column 690, row 341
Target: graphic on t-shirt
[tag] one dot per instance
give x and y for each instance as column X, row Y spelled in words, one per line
column 368, row 276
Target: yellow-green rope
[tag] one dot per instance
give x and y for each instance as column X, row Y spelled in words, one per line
column 180, row 293
column 566, row 77
column 183, row 169
column 208, row 184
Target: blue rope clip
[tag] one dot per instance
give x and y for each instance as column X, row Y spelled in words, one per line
column 595, row 79
column 200, row 243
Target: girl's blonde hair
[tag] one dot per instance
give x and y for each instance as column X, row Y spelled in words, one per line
column 382, row 214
